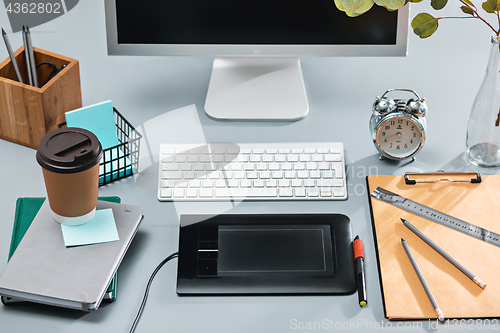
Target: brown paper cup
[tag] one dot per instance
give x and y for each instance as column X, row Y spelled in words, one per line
column 72, row 196
column 69, row 158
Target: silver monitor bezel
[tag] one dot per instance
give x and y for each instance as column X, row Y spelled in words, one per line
column 234, row 50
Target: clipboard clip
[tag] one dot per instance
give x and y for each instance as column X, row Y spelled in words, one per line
column 475, row 180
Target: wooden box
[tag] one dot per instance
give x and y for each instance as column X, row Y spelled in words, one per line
column 27, row 113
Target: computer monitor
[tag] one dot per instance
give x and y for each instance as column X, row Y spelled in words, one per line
column 256, row 44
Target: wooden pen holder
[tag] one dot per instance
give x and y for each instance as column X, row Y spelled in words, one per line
column 27, row 113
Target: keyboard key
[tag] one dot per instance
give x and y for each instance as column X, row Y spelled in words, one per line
column 252, row 175
column 280, row 158
column 220, row 183
column 312, row 193
column 333, row 158
column 258, row 183
column 171, row 175
column 327, row 174
column 284, row 183
column 271, row 183
column 300, row 192
column 191, row 193
column 277, row 174
column 273, row 166
column 338, row 192
column 264, row 175
column 246, row 183
column 166, row 193
column 233, row 183
column 268, row 158
column 206, row 193
column 178, row 193
column 285, row 192
column 317, row 158
column 325, row 192
column 169, row 167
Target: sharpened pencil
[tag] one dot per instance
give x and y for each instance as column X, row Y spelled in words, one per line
column 445, row 255
column 423, row 282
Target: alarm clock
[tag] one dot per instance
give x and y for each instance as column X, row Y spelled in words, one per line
column 398, row 126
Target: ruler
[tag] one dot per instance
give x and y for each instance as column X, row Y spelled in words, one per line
column 436, row 216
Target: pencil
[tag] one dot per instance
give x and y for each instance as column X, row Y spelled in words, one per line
column 32, row 57
column 423, row 282
column 11, row 55
column 27, row 56
column 445, row 255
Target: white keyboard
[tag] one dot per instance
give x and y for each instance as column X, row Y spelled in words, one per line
column 252, row 171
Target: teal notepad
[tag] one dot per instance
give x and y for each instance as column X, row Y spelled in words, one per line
column 26, row 210
column 101, row 229
column 100, row 119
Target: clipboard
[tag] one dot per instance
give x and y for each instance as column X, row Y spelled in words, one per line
column 458, row 297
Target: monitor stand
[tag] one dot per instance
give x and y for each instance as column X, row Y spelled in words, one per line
column 257, row 89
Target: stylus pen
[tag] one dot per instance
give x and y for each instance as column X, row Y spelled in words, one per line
column 27, row 56
column 11, row 55
column 359, row 262
column 32, row 57
column 439, row 250
column 422, row 281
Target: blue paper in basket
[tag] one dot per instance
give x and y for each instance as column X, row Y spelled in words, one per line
column 100, row 120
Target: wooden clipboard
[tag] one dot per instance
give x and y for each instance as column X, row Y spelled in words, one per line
column 457, row 296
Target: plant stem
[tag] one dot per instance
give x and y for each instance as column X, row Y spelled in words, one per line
column 497, row 32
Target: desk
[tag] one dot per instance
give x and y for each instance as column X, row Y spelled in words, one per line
column 447, row 69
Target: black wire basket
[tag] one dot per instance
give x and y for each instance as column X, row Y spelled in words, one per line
column 122, row 160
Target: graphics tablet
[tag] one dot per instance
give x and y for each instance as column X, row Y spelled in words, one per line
column 278, row 254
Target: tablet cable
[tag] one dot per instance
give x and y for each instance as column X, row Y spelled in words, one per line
column 146, row 293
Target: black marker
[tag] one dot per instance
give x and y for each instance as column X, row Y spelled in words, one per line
column 359, row 262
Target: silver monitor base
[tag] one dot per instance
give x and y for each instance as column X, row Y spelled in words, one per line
column 262, row 89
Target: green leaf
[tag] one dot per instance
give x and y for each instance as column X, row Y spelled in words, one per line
column 354, row 7
column 467, row 10
column 469, row 3
column 424, row 25
column 391, row 4
column 415, row 1
column 438, row 4
column 490, row 6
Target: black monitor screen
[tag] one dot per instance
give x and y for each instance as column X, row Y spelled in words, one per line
column 254, row 22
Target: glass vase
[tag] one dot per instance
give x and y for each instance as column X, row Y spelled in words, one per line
column 483, row 130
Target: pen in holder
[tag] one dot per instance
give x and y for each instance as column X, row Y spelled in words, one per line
column 27, row 113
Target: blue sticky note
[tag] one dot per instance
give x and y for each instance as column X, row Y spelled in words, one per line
column 101, row 229
column 99, row 119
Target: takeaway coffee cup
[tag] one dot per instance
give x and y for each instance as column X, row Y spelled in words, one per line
column 69, row 158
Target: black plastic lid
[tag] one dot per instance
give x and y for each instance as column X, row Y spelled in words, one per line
column 69, row 150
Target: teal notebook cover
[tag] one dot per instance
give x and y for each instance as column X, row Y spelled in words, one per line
column 26, row 210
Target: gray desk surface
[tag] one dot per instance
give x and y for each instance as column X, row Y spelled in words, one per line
column 447, row 69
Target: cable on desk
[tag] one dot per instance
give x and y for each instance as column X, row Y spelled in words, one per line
column 146, row 293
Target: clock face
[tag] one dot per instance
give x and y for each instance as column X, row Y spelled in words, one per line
column 399, row 137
